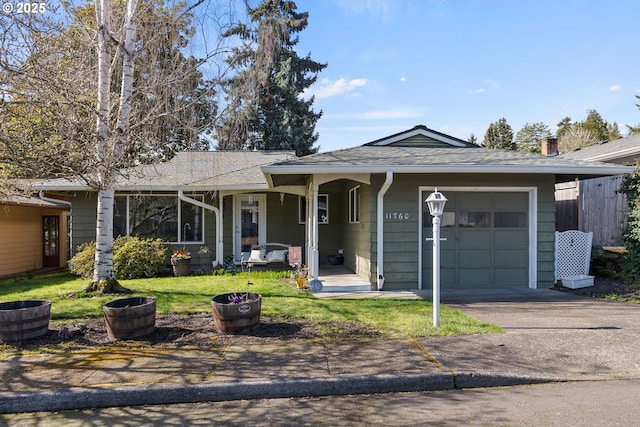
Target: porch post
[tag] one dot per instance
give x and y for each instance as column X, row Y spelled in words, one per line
column 314, row 219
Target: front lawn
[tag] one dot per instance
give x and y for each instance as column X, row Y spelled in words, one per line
column 192, row 294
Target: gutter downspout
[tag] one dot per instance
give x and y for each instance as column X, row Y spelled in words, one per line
column 58, row 201
column 216, row 211
column 380, row 230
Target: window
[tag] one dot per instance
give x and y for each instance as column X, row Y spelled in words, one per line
column 323, row 209
column 510, row 219
column 474, row 219
column 354, row 205
column 158, row 216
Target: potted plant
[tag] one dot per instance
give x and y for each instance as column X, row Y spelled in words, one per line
column 235, row 312
column 25, row 319
column 181, row 262
column 300, row 274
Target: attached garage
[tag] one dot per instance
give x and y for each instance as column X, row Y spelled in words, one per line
column 488, row 234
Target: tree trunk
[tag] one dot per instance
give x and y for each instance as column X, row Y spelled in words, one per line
column 104, row 280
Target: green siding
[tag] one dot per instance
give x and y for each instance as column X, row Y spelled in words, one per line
column 401, row 245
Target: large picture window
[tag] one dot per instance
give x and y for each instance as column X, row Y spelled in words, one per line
column 158, row 216
column 323, row 209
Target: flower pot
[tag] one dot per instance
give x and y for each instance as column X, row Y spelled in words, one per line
column 181, row 266
column 229, row 317
column 129, row 318
column 301, row 281
column 21, row 320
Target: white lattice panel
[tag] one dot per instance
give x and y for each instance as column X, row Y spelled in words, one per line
column 573, row 253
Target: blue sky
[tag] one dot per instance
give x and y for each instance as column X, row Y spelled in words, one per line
column 457, row 66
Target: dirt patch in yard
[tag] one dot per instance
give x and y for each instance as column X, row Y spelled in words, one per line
column 608, row 288
column 190, row 330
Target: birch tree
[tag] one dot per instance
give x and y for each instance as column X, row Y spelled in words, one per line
column 92, row 98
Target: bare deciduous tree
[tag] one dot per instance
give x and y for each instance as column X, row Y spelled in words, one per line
column 87, row 92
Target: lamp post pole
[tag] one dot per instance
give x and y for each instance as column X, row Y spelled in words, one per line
column 436, row 202
column 436, row 270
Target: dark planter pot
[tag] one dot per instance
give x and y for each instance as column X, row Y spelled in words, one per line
column 336, row 259
column 21, row 320
column 181, row 267
column 230, row 318
column 129, row 318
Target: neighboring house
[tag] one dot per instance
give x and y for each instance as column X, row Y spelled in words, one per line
column 33, row 231
column 499, row 220
column 594, row 204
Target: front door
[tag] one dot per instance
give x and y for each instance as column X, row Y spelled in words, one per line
column 50, row 242
column 250, row 222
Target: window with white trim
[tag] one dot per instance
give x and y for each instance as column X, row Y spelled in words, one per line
column 354, row 205
column 159, row 216
column 323, row 209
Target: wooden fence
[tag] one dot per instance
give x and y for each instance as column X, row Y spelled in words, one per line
column 592, row 205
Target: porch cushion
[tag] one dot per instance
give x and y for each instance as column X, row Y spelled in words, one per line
column 257, row 255
column 276, row 256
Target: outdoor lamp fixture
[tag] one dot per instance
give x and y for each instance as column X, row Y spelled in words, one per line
column 436, row 202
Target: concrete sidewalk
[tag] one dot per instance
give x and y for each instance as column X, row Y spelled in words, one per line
column 549, row 336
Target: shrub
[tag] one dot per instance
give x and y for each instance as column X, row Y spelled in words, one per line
column 631, row 229
column 133, row 258
column 82, row 262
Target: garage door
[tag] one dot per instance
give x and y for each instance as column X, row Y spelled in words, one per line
column 487, row 241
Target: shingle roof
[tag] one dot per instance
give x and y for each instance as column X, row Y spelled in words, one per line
column 452, row 159
column 624, row 150
column 192, row 170
column 21, row 200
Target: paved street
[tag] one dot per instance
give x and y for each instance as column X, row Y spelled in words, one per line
column 605, row 403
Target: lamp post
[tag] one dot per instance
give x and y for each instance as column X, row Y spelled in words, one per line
column 436, row 202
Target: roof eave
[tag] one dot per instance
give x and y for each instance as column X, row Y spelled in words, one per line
column 504, row 169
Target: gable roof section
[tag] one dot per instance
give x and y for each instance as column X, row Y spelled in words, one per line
column 622, row 151
column 192, row 171
column 421, row 136
column 421, row 150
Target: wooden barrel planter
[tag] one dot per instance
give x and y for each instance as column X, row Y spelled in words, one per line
column 229, row 317
column 21, row 320
column 129, row 318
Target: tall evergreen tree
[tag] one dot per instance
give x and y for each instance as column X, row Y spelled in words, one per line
column 528, row 138
column 499, row 135
column 266, row 110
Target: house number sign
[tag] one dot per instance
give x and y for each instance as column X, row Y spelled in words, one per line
column 398, row 216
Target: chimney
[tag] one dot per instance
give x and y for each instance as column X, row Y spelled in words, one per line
column 549, row 147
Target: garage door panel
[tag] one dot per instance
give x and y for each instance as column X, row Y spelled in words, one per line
column 510, row 239
column 488, row 243
column 511, row 258
column 476, row 277
column 470, row 258
column 448, row 258
column 475, row 239
column 510, row 277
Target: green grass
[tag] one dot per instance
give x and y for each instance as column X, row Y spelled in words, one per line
column 190, row 295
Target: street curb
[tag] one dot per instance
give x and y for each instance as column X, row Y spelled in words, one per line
column 83, row 397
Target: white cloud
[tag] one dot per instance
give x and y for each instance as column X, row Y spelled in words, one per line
column 403, row 79
column 615, row 88
column 494, row 84
column 480, row 90
column 327, row 88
